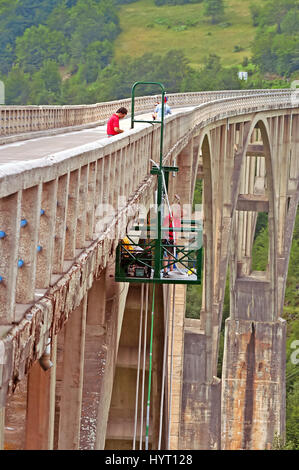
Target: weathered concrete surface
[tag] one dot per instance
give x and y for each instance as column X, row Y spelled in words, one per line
column 178, row 360
column 72, row 379
column 15, row 418
column 200, row 415
column 25, row 342
column 95, row 361
column 2, row 419
column 116, row 294
column 252, row 299
column 40, row 408
column 253, row 384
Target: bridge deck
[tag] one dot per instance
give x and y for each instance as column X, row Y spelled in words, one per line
column 40, row 147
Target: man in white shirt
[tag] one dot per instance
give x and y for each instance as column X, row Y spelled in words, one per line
column 158, row 109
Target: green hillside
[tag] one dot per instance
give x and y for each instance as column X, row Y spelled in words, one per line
column 148, row 28
column 86, row 51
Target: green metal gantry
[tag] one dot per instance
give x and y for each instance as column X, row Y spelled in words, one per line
column 144, row 260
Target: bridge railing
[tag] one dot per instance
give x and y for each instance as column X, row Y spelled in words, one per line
column 23, row 119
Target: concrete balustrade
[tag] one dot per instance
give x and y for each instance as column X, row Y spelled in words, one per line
column 24, row 119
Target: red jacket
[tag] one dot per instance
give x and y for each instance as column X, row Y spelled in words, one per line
column 111, row 124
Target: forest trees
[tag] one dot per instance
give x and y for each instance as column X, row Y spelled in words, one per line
column 212, row 76
column 214, row 9
column 75, row 41
column 65, row 36
column 276, row 46
column 38, row 44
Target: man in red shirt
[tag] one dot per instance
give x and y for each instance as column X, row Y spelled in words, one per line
column 113, row 123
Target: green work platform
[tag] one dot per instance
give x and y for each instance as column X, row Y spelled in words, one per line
column 141, row 259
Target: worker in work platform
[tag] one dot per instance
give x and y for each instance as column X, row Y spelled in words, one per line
column 113, row 123
column 172, row 220
column 158, row 110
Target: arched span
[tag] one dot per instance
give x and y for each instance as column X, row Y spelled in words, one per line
column 204, row 149
column 261, row 122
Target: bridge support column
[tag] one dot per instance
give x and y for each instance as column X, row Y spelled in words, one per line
column 2, row 422
column 120, row 426
column 158, row 341
column 94, row 361
column 72, row 382
column 178, row 359
column 116, row 294
column 41, row 406
column 200, row 415
column 253, row 374
column 183, row 181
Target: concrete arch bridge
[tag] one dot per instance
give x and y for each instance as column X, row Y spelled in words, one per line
column 59, row 301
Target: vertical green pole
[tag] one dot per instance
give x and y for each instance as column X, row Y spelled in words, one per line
column 133, row 105
column 150, row 372
column 199, row 264
column 158, row 247
column 158, row 250
column 162, row 128
column 159, row 199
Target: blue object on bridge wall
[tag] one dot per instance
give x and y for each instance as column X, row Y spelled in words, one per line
column 42, row 212
column 2, row 234
column 24, row 223
column 20, row 263
column 39, row 248
column 1, row 279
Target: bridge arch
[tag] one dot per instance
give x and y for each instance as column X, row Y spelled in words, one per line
column 256, row 194
column 254, row 310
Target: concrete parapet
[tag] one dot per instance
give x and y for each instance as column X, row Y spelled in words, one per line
column 34, row 119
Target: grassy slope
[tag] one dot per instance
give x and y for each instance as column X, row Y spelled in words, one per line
column 142, row 31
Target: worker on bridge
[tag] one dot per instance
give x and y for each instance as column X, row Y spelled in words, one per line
column 171, row 221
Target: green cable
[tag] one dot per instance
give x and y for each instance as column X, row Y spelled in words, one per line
column 150, row 373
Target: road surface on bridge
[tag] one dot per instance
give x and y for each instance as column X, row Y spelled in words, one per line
column 35, row 148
